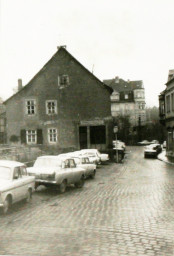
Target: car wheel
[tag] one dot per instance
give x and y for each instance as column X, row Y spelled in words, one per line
column 29, row 196
column 7, row 204
column 62, row 187
column 80, row 183
column 92, row 176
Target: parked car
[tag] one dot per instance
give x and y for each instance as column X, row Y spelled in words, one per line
column 58, row 171
column 119, row 144
column 164, row 144
column 93, row 158
column 152, row 150
column 100, row 156
column 154, row 142
column 83, row 162
column 144, row 142
column 15, row 184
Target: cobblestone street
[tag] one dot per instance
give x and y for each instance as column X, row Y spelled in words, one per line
column 128, row 209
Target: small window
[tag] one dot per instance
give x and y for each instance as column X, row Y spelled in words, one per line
column 30, row 107
column 51, row 107
column 52, row 135
column 72, row 163
column 17, row 173
column 126, row 96
column 31, row 136
column 63, row 81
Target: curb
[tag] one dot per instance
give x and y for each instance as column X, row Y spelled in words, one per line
column 164, row 160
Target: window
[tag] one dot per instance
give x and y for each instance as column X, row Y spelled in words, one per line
column 52, row 135
column 63, row 81
column 72, row 163
column 51, row 107
column 31, row 107
column 168, row 103
column 31, row 136
column 126, row 96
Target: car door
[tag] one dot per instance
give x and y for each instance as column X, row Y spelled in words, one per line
column 18, row 187
column 85, row 166
column 76, row 171
column 26, row 181
column 68, row 172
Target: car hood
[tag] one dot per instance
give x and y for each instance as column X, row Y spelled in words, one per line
column 39, row 170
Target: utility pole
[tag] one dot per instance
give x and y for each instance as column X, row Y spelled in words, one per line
column 115, row 131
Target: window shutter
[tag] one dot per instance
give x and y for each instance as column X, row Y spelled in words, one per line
column 39, row 136
column 23, row 136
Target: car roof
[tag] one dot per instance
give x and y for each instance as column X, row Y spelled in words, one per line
column 92, row 150
column 154, row 144
column 58, row 157
column 10, row 163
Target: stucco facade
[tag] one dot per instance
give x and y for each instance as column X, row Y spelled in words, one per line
column 60, row 99
column 128, row 99
column 166, row 112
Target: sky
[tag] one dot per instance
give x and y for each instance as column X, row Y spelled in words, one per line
column 132, row 39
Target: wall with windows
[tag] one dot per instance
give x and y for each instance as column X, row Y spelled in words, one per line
column 49, row 109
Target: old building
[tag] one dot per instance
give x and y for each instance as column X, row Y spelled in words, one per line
column 63, row 107
column 166, row 112
column 128, row 99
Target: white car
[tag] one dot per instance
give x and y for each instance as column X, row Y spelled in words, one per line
column 83, row 162
column 15, row 184
column 57, row 171
column 91, row 155
column 119, row 144
column 101, row 157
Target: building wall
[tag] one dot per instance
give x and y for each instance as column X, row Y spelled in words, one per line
column 132, row 107
column 85, row 98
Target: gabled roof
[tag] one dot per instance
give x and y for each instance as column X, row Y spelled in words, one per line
column 122, row 85
column 45, row 66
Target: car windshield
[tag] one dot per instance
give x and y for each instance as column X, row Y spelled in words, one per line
column 5, row 173
column 47, row 162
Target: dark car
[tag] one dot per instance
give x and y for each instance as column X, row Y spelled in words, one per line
column 152, row 150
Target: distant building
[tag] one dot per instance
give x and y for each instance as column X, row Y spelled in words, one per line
column 63, row 107
column 128, row 99
column 166, row 112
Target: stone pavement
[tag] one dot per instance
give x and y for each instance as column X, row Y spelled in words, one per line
column 127, row 210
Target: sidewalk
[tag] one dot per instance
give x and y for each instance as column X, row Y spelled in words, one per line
column 164, row 158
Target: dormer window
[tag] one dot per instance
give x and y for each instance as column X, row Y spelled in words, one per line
column 63, row 81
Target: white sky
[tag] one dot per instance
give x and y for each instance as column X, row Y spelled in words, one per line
column 132, row 39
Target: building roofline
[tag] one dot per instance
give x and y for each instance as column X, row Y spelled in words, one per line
column 44, row 67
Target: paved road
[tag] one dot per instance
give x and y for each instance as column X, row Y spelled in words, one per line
column 127, row 210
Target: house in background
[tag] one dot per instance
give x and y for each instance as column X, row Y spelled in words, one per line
column 166, row 112
column 128, row 99
column 3, row 135
column 64, row 107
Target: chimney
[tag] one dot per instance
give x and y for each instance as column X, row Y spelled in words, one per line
column 19, row 84
column 61, row 46
column 117, row 79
